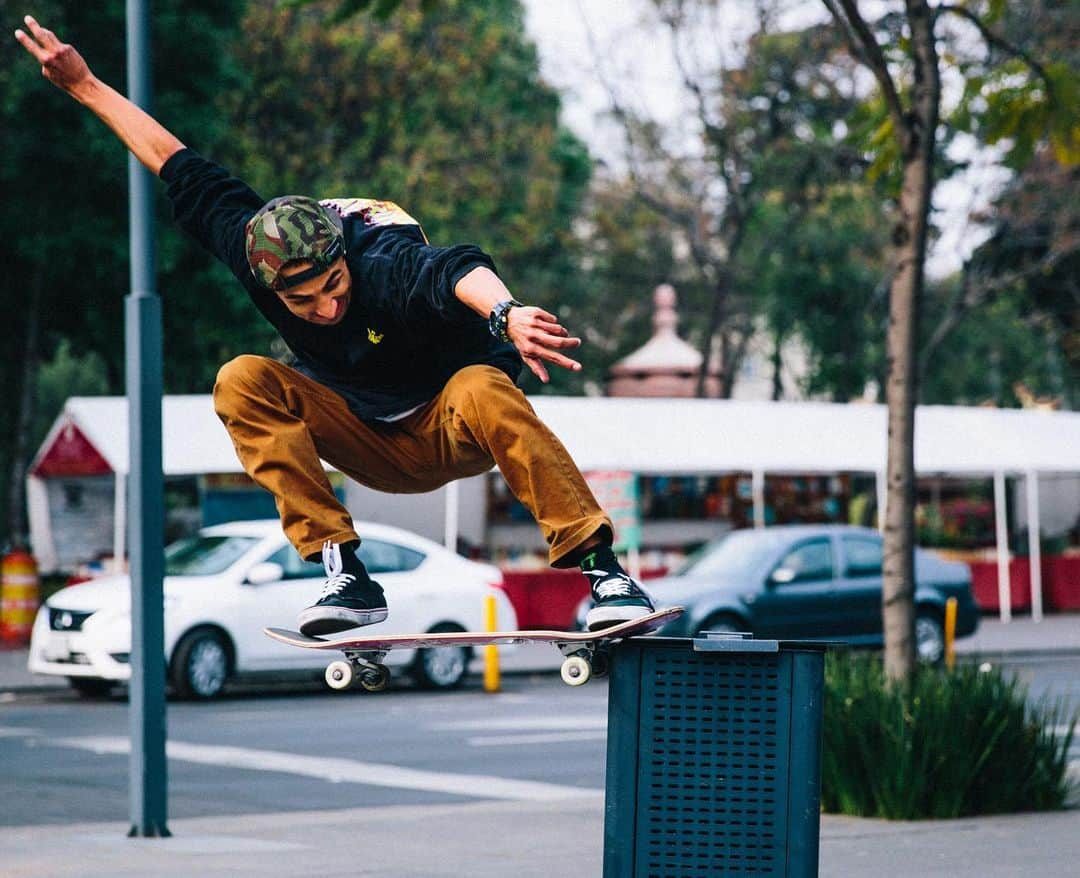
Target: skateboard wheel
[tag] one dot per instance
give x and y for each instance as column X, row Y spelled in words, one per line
column 601, row 665
column 339, row 675
column 576, row 671
column 375, row 679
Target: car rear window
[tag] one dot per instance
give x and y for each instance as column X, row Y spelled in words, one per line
column 738, row 552
column 809, row 562
column 862, row 556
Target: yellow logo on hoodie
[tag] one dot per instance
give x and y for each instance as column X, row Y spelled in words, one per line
column 373, row 336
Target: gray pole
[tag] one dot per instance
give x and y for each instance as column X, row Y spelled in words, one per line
column 146, row 506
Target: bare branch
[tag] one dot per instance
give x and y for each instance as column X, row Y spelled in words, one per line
column 999, row 42
column 977, row 290
column 866, row 46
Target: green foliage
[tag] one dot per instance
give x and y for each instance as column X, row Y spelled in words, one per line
column 64, row 182
column 819, row 279
column 1010, row 106
column 66, row 374
column 628, row 252
column 1022, row 91
column 346, row 9
column 942, row 745
column 1002, row 345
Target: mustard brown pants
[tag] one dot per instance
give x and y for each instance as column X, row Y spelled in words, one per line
column 282, row 422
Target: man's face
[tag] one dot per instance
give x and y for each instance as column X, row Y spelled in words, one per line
column 323, row 299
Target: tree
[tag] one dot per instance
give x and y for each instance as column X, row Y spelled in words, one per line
column 901, row 51
column 63, row 241
column 1030, row 258
column 819, row 283
column 767, row 126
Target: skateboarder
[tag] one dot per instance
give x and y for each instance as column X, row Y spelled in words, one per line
column 406, row 356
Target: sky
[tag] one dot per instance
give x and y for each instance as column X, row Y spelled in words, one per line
column 582, row 42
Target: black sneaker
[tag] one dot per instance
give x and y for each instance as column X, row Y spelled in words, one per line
column 616, row 597
column 349, row 599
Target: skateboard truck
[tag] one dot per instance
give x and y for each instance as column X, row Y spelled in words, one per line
column 362, row 666
column 581, row 663
column 365, row 667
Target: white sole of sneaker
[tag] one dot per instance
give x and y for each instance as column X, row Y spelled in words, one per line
column 605, row 617
column 317, row 621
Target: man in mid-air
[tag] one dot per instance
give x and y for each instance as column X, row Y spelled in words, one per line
column 406, row 356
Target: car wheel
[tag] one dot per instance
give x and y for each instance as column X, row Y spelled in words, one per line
column 722, row 622
column 200, row 664
column 442, row 667
column 929, row 637
column 91, row 687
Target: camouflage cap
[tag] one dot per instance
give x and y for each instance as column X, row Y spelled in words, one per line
column 289, row 229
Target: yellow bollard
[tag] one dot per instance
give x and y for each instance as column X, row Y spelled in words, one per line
column 491, row 651
column 950, row 633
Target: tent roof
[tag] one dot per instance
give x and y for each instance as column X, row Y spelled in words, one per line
column 704, row 435
column 674, row 436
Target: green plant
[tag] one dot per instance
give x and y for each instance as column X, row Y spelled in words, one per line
column 943, row 744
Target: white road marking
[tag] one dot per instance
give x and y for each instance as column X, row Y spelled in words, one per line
column 549, row 738
column 345, row 770
column 16, row 732
column 525, row 724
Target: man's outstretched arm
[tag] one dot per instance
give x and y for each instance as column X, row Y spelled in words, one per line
column 150, row 142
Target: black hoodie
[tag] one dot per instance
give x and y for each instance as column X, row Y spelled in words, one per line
column 405, row 332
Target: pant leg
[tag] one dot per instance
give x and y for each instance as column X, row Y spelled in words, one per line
column 481, row 417
column 281, row 423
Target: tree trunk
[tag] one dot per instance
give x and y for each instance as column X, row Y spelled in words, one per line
column 901, row 388
column 18, row 531
column 717, row 315
column 778, row 366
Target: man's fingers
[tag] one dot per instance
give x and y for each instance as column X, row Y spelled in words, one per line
column 566, row 342
column 33, row 48
column 556, row 359
column 44, row 36
column 537, row 368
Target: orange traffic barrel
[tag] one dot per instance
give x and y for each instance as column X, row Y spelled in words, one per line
column 19, row 596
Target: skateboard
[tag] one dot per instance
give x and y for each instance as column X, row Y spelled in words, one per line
column 585, row 652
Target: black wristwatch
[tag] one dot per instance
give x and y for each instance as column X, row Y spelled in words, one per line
column 499, row 316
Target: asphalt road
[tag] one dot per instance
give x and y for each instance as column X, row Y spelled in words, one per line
column 263, row 751
column 66, row 759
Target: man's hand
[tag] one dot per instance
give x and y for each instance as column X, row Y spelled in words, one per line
column 60, row 63
column 535, row 333
column 151, row 143
column 539, row 338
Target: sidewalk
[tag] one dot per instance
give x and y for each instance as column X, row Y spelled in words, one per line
column 492, row 839
column 1020, row 638
column 486, row 839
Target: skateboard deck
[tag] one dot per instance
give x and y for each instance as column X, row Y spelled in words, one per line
column 585, row 651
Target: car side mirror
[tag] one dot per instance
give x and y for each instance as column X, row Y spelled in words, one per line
column 267, row 571
column 783, row 575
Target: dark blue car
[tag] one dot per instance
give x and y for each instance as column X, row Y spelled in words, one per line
column 809, row 582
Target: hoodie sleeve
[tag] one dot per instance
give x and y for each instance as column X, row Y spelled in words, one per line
column 418, row 279
column 212, row 206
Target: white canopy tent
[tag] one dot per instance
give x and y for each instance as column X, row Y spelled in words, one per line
column 677, row 436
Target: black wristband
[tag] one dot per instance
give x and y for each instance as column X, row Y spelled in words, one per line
column 499, row 317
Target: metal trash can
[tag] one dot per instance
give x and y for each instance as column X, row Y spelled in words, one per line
column 714, row 757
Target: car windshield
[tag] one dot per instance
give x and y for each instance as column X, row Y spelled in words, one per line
column 204, row 555
column 738, row 553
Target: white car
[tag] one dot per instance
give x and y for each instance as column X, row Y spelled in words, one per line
column 227, row 583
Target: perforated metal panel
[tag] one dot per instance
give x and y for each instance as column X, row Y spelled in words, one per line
column 700, row 764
